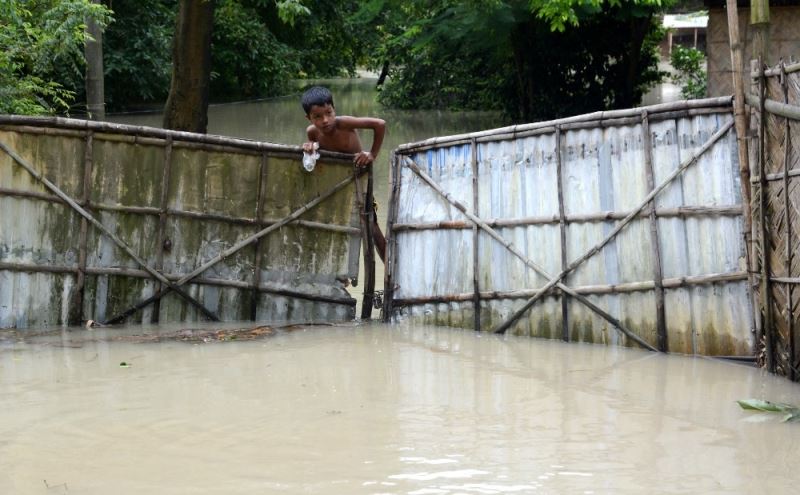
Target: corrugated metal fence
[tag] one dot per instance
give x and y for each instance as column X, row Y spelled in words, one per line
column 104, row 221
column 775, row 168
column 613, row 227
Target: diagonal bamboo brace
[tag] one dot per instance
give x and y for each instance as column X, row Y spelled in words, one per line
column 510, row 246
column 238, row 246
column 633, row 214
column 102, row 228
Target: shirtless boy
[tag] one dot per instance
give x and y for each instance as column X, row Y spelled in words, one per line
column 340, row 134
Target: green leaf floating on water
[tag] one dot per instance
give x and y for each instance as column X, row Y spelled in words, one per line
column 792, row 413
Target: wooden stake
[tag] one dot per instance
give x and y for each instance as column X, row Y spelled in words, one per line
column 661, row 318
column 162, row 223
column 476, row 269
column 76, row 306
column 391, row 240
column 562, row 223
column 262, row 187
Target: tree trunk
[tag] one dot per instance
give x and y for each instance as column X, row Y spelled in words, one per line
column 639, row 27
column 95, row 89
column 187, row 104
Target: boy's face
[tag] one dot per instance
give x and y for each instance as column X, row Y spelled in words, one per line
column 323, row 117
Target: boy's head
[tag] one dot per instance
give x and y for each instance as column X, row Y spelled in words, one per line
column 318, row 96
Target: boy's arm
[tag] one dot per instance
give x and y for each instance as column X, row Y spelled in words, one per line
column 313, row 137
column 378, row 127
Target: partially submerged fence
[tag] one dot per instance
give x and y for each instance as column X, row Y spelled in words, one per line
column 614, row 227
column 107, row 222
column 775, row 170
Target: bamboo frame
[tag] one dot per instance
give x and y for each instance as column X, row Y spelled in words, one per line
column 102, row 228
column 661, row 317
column 586, row 290
column 712, row 105
column 391, row 239
column 138, row 132
column 162, row 222
column 508, row 245
column 152, row 211
column 262, row 185
column 788, row 221
column 233, row 249
column 131, row 272
column 596, row 249
column 682, row 212
column 76, row 305
column 766, row 304
column 476, row 296
column 562, row 224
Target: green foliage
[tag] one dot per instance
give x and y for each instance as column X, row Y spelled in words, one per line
column 691, row 75
column 791, row 413
column 41, row 46
column 137, row 52
column 501, row 54
column 247, row 59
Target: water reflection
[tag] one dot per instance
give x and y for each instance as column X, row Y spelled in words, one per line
column 378, row 409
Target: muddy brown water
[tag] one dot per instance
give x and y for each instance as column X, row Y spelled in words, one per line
column 375, row 409
column 378, row 409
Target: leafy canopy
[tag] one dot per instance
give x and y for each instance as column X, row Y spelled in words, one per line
column 38, row 39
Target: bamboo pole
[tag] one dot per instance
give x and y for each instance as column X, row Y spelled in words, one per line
column 476, row 269
column 681, row 211
column 774, row 107
column 556, row 280
column 262, row 186
column 562, row 224
column 596, row 118
column 235, row 248
column 655, row 242
column 759, row 20
column 767, row 326
column 177, row 136
column 587, row 290
column 369, row 248
column 391, row 239
column 76, row 305
column 775, row 177
column 162, row 223
column 148, row 210
column 508, row 245
column 787, row 145
column 119, row 242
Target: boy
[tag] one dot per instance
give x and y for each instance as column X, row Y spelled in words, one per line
column 340, row 134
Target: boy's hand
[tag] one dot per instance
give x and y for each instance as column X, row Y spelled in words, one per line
column 310, row 147
column 363, row 158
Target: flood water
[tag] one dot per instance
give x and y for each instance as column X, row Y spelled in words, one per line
column 282, row 120
column 375, row 409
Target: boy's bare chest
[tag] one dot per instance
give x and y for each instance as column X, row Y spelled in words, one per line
column 341, row 141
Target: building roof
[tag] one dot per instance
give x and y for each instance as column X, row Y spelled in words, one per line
column 693, row 20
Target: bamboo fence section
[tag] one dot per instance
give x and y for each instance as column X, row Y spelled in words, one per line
column 544, row 166
column 775, row 97
column 152, row 216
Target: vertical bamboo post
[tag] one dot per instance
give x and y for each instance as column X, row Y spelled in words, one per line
column 262, row 186
column 766, row 286
column 391, row 240
column 476, row 298
column 161, row 242
column 369, row 251
column 658, row 276
column 740, row 118
column 76, row 306
column 562, row 223
column 788, row 224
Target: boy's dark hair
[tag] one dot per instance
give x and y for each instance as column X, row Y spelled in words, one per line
column 316, row 95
